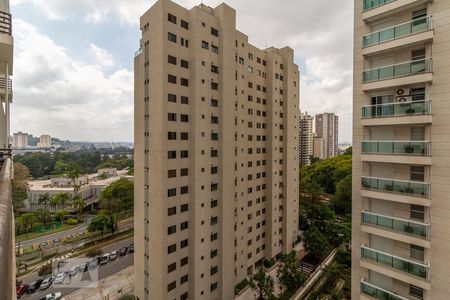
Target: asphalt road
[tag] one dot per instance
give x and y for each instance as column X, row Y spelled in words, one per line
column 45, row 238
column 110, row 268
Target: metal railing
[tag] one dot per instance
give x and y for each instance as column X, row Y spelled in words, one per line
column 395, row 262
column 415, row 188
column 397, row 224
column 409, row 68
column 369, row 4
column 416, row 148
column 5, row 23
column 7, row 257
column 398, row 31
column 137, row 53
column 397, row 109
column 377, row 292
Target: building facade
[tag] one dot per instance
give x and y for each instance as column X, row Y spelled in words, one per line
column 45, row 141
column 20, row 140
column 6, row 71
column 318, row 146
column 401, row 150
column 216, row 153
column 327, row 128
column 306, row 143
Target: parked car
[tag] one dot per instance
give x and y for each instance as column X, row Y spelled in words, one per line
column 21, row 289
column 34, row 286
column 74, row 270
column 131, row 248
column 53, row 296
column 60, row 277
column 123, row 251
column 104, row 259
column 93, row 264
column 114, row 255
column 84, row 267
column 46, row 283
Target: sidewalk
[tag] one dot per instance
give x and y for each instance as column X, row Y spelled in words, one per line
column 109, row 288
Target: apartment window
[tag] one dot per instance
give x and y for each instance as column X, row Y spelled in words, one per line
column 172, row 60
column 184, row 82
column 214, row 32
column 184, row 296
column 171, row 211
column 172, row 248
column 214, row 103
column 171, row 192
column 172, row 98
column 417, row 252
column 172, row 267
column 213, row 286
column 184, row 64
column 184, row 172
column 184, row 225
column 172, row 78
column 171, row 173
column 184, row 261
column 417, row 173
column 184, row 136
column 183, row 279
column 250, row 69
column 214, row 170
column 213, row 270
column 417, row 212
column 215, row 69
column 184, row 42
column 184, row 153
column 213, row 253
column 214, row 153
column 213, row 220
column 214, row 136
column 184, row 190
column 214, row 120
column 171, row 18
column 214, row 187
column 214, row 236
column 184, row 24
column 171, row 117
column 241, row 60
column 172, row 37
column 171, row 154
column 250, row 56
column 184, row 207
column 214, row 203
column 184, row 100
column 171, row 229
column 184, row 118
column 415, row 291
column 171, row 286
column 214, row 86
column 171, row 135
column 205, row 45
column 214, row 49
column 183, row 243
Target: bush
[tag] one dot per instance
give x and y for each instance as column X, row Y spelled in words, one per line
column 45, row 270
column 241, row 285
column 72, row 222
column 94, row 252
column 268, row 263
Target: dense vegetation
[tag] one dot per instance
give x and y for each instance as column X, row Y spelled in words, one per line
column 59, row 163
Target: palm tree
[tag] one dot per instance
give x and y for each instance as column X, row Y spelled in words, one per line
column 54, row 201
column 42, row 215
column 28, row 219
column 44, row 198
column 78, row 204
column 60, row 215
column 63, row 199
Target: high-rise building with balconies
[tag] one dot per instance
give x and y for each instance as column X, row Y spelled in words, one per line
column 45, row 141
column 216, row 153
column 327, row 128
column 306, row 138
column 401, row 150
column 20, row 140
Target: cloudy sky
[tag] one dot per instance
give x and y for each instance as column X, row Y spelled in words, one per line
column 73, row 71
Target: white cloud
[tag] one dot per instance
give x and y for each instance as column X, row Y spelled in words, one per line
column 67, row 98
column 101, row 56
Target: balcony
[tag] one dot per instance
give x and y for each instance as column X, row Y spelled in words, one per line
column 5, row 23
column 3, row 88
column 7, row 248
column 371, row 4
column 398, row 113
column 378, row 293
column 401, row 152
column 405, row 34
column 407, row 73
column 137, row 53
column 403, row 226
column 411, row 188
column 374, row 10
column 396, row 262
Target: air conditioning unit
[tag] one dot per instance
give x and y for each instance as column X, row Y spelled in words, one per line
column 404, row 99
column 402, row 92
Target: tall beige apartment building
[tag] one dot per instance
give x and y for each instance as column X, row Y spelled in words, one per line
column 45, row 141
column 327, row 128
column 401, row 150
column 6, row 68
column 216, row 153
column 306, row 138
column 20, row 140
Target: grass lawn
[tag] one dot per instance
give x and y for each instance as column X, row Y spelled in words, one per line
column 32, row 235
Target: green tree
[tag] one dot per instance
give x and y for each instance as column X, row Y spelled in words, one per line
column 29, row 219
column 263, row 284
column 45, row 270
column 60, row 199
column 289, row 274
column 315, row 242
column 99, row 223
column 342, row 200
column 20, row 224
column 78, row 204
column 44, row 199
column 61, row 167
column 42, row 215
column 19, row 185
column 60, row 215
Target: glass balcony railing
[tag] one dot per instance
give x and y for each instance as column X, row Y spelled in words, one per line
column 378, row 293
column 417, row 148
column 397, row 109
column 401, row 225
column 137, row 53
column 395, row 262
column 369, row 4
column 398, row 31
column 410, row 68
column 415, row 188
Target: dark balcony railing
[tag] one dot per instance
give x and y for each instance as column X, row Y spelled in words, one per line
column 409, row 68
column 7, row 257
column 415, row 188
column 369, row 4
column 5, row 23
column 3, row 83
column 397, row 109
column 415, row 148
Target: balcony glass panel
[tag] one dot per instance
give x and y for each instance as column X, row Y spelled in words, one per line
column 369, row 4
column 396, row 147
column 378, row 293
column 406, row 187
column 399, row 70
column 396, row 32
column 395, row 262
column 400, row 225
column 397, row 109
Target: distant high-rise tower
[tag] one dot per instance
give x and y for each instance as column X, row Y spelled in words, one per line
column 306, row 138
column 45, row 141
column 6, row 71
column 327, row 128
column 216, row 153
column 20, row 140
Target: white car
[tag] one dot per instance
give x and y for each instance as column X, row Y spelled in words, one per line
column 114, row 255
column 53, row 296
column 74, row 270
column 104, row 259
column 60, row 277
